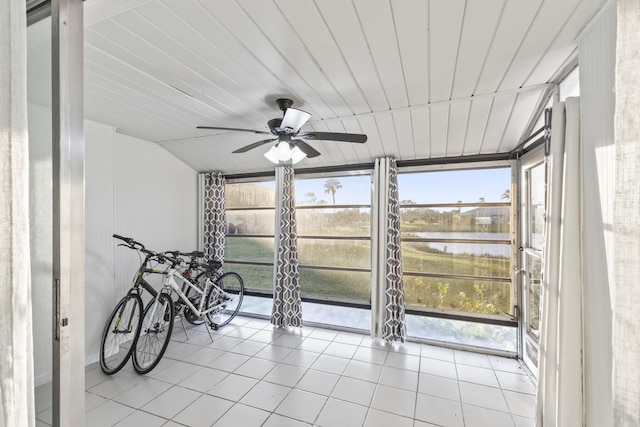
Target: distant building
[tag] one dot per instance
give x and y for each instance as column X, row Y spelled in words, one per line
column 489, row 215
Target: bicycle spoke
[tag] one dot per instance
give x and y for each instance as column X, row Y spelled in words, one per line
column 227, row 294
column 153, row 340
column 120, row 334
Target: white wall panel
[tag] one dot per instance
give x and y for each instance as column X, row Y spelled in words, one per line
column 144, row 192
column 371, row 128
column 420, row 126
column 404, row 134
column 458, row 123
column 99, row 198
column 480, row 18
column 445, row 27
column 439, row 121
column 497, row 122
column 99, row 245
column 521, row 113
column 478, row 117
column 597, row 65
column 155, row 203
column 379, row 29
column 412, row 27
column 515, row 20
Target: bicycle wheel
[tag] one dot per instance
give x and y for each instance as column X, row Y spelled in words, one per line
column 120, row 333
column 226, row 293
column 157, row 325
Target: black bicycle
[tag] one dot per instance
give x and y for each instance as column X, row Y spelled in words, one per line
column 124, row 323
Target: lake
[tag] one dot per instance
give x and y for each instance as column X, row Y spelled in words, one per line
column 493, row 249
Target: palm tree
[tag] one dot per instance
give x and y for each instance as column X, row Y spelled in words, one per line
column 331, row 186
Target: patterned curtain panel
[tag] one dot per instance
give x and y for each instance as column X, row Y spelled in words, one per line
column 214, row 221
column 287, row 305
column 387, row 289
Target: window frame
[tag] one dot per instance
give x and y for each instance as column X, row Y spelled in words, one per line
column 250, row 180
column 343, row 302
column 474, row 162
column 510, row 319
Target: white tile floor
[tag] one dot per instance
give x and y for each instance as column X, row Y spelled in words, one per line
column 257, row 375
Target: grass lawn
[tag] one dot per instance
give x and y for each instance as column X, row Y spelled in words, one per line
column 484, row 296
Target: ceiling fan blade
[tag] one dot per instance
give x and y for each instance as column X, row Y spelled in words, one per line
column 254, row 145
column 306, row 148
column 234, row 129
column 294, row 119
column 335, row 136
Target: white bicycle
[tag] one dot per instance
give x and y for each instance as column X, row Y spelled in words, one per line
column 213, row 299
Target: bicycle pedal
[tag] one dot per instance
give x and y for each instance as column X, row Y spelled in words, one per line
column 213, row 326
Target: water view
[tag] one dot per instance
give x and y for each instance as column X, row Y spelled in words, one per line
column 491, row 249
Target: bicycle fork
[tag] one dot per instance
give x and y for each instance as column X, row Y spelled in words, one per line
column 156, row 324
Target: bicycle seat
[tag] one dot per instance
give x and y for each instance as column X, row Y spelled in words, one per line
column 212, row 264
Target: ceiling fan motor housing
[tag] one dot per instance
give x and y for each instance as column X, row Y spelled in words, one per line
column 274, row 125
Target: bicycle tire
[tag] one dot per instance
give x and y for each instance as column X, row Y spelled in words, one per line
column 232, row 284
column 155, row 333
column 117, row 342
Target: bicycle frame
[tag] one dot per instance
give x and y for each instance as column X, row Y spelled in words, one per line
column 170, row 283
column 140, row 281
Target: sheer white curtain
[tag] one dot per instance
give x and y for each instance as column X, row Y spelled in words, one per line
column 387, row 290
column 560, row 390
column 626, row 326
column 16, row 346
column 287, row 303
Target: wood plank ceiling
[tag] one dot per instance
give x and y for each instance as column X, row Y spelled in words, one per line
column 422, row 78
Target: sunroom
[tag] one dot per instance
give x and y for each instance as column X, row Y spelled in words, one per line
column 433, row 189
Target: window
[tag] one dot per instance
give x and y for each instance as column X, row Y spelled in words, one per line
column 249, row 247
column 456, row 249
column 456, row 242
column 533, row 208
column 334, row 237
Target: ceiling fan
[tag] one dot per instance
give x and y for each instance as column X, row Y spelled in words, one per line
column 291, row 146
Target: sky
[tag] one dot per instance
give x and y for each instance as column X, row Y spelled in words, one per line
column 453, row 185
column 424, row 187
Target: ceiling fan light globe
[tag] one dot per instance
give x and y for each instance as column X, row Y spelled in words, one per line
column 272, row 155
column 296, row 155
column 283, row 151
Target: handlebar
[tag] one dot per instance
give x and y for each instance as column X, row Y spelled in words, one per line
column 133, row 244
column 193, row 262
column 171, row 256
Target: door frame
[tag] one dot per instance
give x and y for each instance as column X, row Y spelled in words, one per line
column 67, row 108
column 528, row 161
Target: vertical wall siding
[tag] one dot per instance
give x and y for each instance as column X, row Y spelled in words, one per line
column 156, row 203
column 99, row 260
column 99, row 294
column 132, row 187
column 597, row 66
